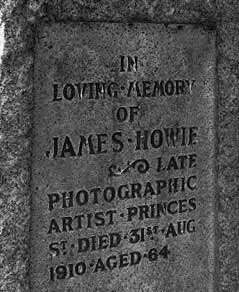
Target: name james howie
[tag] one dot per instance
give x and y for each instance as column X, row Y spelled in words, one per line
column 94, row 144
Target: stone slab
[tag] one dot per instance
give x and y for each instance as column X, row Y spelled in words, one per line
column 123, row 150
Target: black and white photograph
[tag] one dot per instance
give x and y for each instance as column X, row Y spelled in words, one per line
column 119, row 146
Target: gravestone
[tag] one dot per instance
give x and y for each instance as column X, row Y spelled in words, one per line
column 122, row 171
column 119, row 146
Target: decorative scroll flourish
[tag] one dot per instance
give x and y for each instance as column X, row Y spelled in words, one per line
column 141, row 165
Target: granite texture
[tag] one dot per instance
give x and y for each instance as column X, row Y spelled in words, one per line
column 91, row 52
column 21, row 18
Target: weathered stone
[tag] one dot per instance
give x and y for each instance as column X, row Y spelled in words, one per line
column 124, row 139
column 17, row 99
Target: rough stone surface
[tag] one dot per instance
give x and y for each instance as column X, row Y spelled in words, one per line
column 21, row 18
column 82, row 53
column 228, row 204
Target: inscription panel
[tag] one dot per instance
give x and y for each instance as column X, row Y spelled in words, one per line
column 123, row 158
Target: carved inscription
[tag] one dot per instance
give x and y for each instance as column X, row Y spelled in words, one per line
column 67, row 147
column 144, row 198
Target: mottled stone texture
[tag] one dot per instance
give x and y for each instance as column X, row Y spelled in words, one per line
column 228, row 181
column 17, row 100
column 69, row 52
